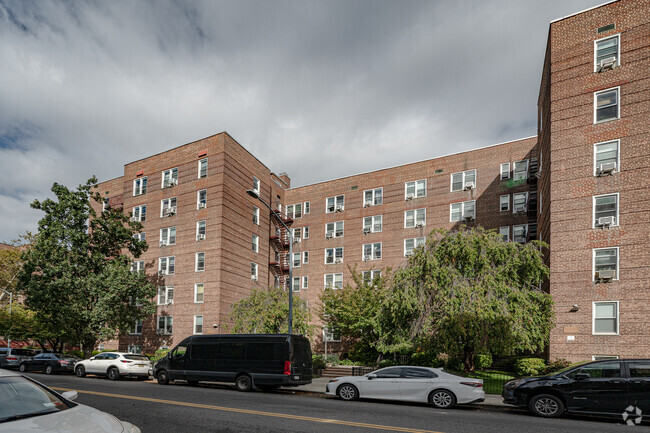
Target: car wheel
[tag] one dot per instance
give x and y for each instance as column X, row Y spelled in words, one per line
column 80, row 371
column 347, row 392
column 49, row 369
column 113, row 373
column 442, row 399
column 243, row 383
column 22, row 368
column 546, row 405
column 163, row 377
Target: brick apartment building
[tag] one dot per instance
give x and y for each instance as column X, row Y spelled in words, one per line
column 578, row 185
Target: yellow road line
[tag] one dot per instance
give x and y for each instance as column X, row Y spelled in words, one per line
column 254, row 412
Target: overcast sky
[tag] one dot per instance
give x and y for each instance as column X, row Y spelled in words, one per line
column 319, row 89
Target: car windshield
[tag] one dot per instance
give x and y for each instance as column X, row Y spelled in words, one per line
column 137, row 357
column 21, row 398
column 564, row 370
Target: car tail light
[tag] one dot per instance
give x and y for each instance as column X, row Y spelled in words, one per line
column 287, row 368
column 126, row 362
column 473, row 384
column 63, row 362
column 11, row 358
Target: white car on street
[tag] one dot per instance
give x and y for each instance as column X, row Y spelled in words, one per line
column 115, row 365
column 28, row 406
column 419, row 384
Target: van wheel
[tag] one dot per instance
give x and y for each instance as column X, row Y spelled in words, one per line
column 163, row 377
column 546, row 405
column 243, row 383
column 113, row 373
column 348, row 392
column 80, row 371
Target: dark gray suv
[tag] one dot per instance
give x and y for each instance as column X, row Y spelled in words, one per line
column 13, row 358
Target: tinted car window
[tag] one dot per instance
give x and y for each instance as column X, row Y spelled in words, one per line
column 264, row 351
column 23, row 352
column 231, row 351
column 419, row 373
column 601, row 370
column 388, row 373
column 100, row 356
column 639, row 369
column 41, row 356
column 112, row 356
column 204, row 351
column 137, row 357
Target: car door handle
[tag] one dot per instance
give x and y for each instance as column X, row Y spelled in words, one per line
column 616, row 381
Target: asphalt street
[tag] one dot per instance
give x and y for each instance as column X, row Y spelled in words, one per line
column 218, row 408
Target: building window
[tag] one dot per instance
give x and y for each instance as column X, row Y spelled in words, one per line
column 373, row 197
column 307, row 207
column 519, row 233
column 140, row 186
column 169, row 178
column 520, row 171
column 105, row 203
column 199, row 289
column 372, row 224
column 371, row 251
column 305, row 282
column 295, row 285
column 296, row 260
column 294, row 210
column 462, row 210
column 137, row 328
column 606, row 53
column 165, row 324
column 369, row 276
column 334, row 281
column 256, row 185
column 504, row 202
column 166, row 265
column 200, row 262
column 505, row 233
column 333, row 255
column 256, row 244
column 505, row 171
column 200, row 230
column 606, row 105
column 256, row 215
column 140, row 236
column 415, row 189
column 519, row 202
column 334, row 230
column 202, row 199
column 415, row 218
column 332, row 335
column 305, row 232
column 203, row 167
column 334, row 204
column 463, row 180
column 168, row 207
column 605, row 210
column 606, row 158
column 166, row 295
column 139, row 213
column 411, row 244
column 137, row 266
column 605, row 318
column 254, row 274
column 198, row 324
column 168, row 236
column 296, row 234
column 305, row 257
column 606, row 263
column 134, row 348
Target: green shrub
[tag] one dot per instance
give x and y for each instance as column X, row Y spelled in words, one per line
column 317, row 361
column 332, row 359
column 77, row 353
column 160, row 354
column 386, row 363
column 529, row 366
column 363, row 353
column 349, row 362
column 482, row 361
column 558, row 364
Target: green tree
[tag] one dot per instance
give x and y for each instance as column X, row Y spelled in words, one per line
column 11, row 263
column 77, row 275
column 266, row 311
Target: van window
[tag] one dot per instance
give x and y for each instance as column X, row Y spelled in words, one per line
column 301, row 352
column 265, row 351
column 204, row 351
column 231, row 351
column 179, row 352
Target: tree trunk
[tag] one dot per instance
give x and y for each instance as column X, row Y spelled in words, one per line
column 88, row 347
column 468, row 361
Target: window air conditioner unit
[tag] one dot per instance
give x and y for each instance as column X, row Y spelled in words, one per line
column 607, row 168
column 366, row 258
column 606, row 274
column 408, row 253
column 296, row 240
column 366, row 230
column 338, row 261
column 606, row 221
column 134, row 218
column 420, row 224
column 469, row 218
column 607, row 63
column 163, row 243
column 410, row 196
column 520, row 208
column 160, row 331
column 367, row 204
column 339, row 208
column 253, row 278
column 202, row 205
column 161, row 273
column 173, row 182
column 328, row 235
column 469, row 186
column 200, row 237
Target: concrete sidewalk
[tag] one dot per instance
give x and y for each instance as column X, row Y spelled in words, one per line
column 318, row 386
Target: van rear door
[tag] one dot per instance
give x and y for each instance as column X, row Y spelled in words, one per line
column 301, row 358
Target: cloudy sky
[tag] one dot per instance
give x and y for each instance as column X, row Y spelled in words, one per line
column 319, row 89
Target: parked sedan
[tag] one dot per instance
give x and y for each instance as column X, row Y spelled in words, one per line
column 12, row 358
column 609, row 387
column 50, row 363
column 419, row 384
column 28, row 406
column 115, row 365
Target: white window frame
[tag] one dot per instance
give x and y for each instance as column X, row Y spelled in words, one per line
column 295, row 284
column 137, row 328
column 369, row 275
column 370, row 228
column 332, row 335
column 291, row 210
column 255, row 276
column 338, row 203
column 593, row 318
column 255, row 243
column 137, row 266
column 507, row 233
column 196, row 320
column 516, row 226
column 507, row 202
column 197, row 261
column 139, row 186
column 305, row 282
column 172, row 180
column 415, row 212
column 134, row 348
column 204, row 200
column 463, row 213
column 165, row 295
column 168, row 329
column 335, row 255
column 505, row 165
column 374, row 254
column 257, row 185
column 525, row 194
column 334, row 278
column 200, row 224
column 420, row 240
column 335, row 233
column 305, row 232
column 618, row 104
column 256, row 215
column 142, row 236
column 296, row 259
column 618, row 206
column 306, row 208
column 375, row 193
column 618, row 259
column 141, row 213
column 169, row 204
column 414, row 184
column 618, row 154
column 197, row 293
column 167, row 240
column 305, row 257
column 168, row 265
column 464, row 175
column 618, row 50
column 201, row 162
column 515, row 176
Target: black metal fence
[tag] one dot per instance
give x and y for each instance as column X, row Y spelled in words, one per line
column 493, row 381
column 360, row 371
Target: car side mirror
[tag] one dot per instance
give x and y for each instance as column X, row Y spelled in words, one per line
column 92, row 358
column 70, row 395
column 581, row 376
column 371, row 376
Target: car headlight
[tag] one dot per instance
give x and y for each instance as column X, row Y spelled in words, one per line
column 333, row 380
column 513, row 384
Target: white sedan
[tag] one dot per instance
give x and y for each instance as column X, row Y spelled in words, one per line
column 115, row 365
column 420, row 384
column 28, row 406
